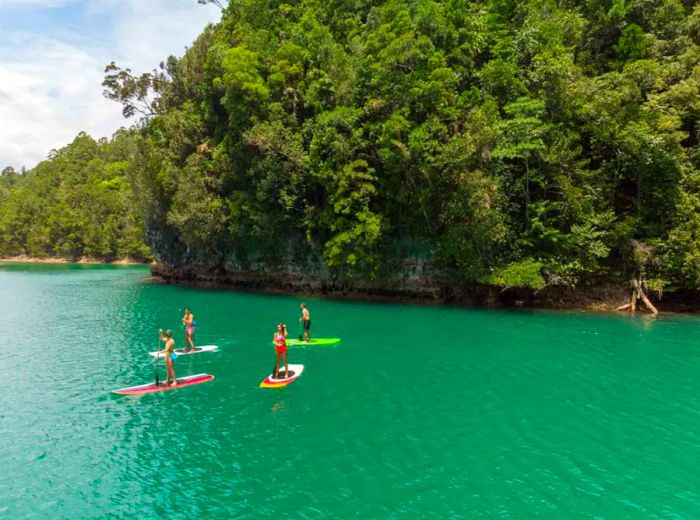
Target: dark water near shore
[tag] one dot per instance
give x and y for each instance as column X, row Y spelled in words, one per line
column 421, row 411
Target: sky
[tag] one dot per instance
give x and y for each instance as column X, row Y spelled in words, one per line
column 52, row 59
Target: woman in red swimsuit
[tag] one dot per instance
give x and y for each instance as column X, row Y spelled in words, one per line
column 280, row 340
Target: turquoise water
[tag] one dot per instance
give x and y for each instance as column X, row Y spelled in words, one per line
column 421, row 411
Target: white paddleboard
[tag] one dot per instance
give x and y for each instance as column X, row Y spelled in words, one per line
column 183, row 352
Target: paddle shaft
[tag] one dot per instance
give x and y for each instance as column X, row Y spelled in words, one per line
column 155, row 362
column 184, row 330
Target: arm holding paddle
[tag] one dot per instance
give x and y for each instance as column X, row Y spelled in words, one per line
column 167, row 337
column 161, row 337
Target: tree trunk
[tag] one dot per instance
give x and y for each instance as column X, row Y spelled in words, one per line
column 646, row 301
column 633, row 301
column 638, row 293
column 527, row 193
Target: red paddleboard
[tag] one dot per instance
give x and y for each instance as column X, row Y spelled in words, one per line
column 161, row 387
column 279, row 382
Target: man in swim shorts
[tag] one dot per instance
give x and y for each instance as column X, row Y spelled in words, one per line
column 306, row 320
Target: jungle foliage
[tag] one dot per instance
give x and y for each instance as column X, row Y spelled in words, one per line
column 78, row 202
column 517, row 143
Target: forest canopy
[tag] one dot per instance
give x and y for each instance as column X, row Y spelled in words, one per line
column 76, row 203
column 511, row 143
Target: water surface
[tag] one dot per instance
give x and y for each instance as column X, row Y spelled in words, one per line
column 425, row 411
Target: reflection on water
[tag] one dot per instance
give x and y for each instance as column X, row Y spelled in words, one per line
column 278, row 407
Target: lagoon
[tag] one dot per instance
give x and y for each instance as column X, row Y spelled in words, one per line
column 421, row 411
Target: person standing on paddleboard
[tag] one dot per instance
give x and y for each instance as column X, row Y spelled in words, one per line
column 188, row 322
column 280, row 340
column 169, row 352
column 306, row 321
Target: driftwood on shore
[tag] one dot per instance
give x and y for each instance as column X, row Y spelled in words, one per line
column 638, row 294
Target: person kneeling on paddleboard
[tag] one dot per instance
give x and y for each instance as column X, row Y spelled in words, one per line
column 280, row 340
column 168, row 351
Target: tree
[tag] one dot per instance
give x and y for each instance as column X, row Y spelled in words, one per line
column 78, row 202
column 137, row 94
column 510, row 143
column 217, row 3
column 523, row 134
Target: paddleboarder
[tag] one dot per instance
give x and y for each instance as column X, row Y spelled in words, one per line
column 280, row 340
column 170, row 378
column 306, row 321
column 188, row 322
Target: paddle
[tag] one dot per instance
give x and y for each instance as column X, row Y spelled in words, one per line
column 155, row 361
column 184, row 329
column 275, row 374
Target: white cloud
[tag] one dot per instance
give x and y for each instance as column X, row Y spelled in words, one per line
column 50, row 86
column 145, row 33
column 48, row 95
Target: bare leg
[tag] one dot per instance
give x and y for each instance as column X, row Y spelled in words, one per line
column 172, row 372
column 168, row 370
column 275, row 374
column 286, row 366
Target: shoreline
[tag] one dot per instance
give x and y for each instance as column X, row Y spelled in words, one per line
column 594, row 306
column 605, row 297
column 25, row 259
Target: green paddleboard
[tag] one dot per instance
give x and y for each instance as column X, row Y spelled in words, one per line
column 315, row 342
